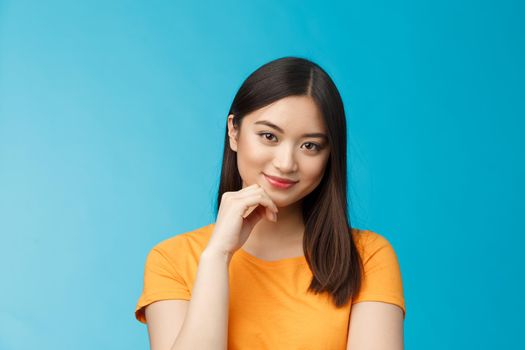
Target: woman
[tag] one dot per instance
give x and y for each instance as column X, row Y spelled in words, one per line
column 281, row 267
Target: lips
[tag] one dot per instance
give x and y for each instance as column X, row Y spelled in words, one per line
column 281, row 180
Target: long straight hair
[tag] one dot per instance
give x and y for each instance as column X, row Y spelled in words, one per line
column 328, row 245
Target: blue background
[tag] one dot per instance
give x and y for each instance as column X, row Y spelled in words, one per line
column 112, row 118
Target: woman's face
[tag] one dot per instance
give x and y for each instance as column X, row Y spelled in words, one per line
column 272, row 142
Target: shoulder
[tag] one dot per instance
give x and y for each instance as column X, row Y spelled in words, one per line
column 382, row 279
column 364, row 238
column 368, row 243
column 193, row 241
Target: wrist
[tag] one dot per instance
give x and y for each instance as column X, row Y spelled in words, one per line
column 213, row 253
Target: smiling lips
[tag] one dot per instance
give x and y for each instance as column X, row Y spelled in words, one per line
column 280, row 182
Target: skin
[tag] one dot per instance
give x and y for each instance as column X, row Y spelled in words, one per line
column 373, row 325
column 262, row 149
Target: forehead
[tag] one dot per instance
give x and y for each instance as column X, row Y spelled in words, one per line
column 291, row 113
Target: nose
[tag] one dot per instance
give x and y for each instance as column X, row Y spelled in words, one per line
column 284, row 160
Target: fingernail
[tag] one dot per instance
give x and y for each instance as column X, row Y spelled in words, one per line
column 274, row 216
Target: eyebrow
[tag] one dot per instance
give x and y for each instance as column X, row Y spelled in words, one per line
column 272, row 125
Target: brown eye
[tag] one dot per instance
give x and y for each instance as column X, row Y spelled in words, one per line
column 317, row 147
column 263, row 134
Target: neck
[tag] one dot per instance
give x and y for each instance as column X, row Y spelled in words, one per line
column 284, row 234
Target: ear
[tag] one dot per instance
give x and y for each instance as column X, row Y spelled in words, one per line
column 232, row 133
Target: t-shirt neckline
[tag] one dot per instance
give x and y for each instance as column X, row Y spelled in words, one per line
column 297, row 260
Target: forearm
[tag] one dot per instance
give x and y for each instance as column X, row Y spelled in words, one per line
column 206, row 323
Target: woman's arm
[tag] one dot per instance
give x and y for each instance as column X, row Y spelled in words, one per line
column 375, row 326
column 205, row 325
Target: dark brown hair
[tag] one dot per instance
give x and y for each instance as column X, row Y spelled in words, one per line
column 328, row 245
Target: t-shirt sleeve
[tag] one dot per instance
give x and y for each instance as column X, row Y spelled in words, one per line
column 161, row 282
column 382, row 274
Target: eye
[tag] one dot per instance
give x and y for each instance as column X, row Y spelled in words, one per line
column 317, row 147
column 263, row 134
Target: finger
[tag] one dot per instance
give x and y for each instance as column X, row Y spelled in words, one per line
column 254, row 217
column 258, row 212
column 248, row 188
column 258, row 199
column 248, row 211
column 261, row 191
column 271, row 215
column 274, row 206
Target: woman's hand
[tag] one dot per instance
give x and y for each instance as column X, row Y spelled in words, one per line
column 239, row 212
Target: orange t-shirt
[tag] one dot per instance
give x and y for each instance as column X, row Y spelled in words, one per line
column 269, row 307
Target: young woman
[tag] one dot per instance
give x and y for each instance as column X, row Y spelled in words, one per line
column 281, row 267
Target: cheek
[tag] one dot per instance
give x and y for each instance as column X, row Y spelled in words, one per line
column 312, row 173
column 250, row 158
column 314, row 170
